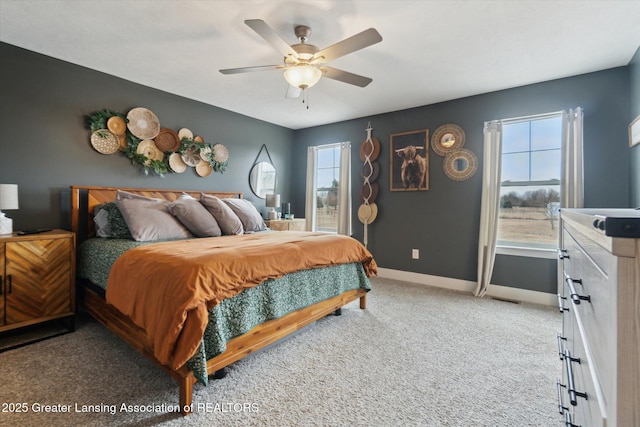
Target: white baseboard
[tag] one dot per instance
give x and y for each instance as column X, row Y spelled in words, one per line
column 496, row 291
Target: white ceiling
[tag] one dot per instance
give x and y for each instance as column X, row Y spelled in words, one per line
column 432, row 51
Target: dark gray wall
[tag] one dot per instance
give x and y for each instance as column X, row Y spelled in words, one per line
column 443, row 222
column 634, row 82
column 45, row 148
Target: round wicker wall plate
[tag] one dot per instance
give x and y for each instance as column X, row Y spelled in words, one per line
column 117, row 125
column 104, row 141
column 122, row 141
column 372, row 149
column 371, row 171
column 176, row 163
column 205, row 153
column 148, row 149
column 220, row 153
column 367, row 213
column 185, row 133
column 143, row 123
column 460, row 165
column 167, row 140
column 447, row 138
column 204, row 168
column 191, row 156
column 369, row 193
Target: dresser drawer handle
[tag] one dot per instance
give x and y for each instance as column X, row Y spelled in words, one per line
column 562, row 254
column 561, row 306
column 567, row 420
column 560, row 349
column 561, row 407
column 576, row 297
column 573, row 394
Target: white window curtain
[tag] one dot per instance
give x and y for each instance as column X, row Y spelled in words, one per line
column 572, row 173
column 490, row 205
column 344, row 189
column 310, row 206
column 572, row 178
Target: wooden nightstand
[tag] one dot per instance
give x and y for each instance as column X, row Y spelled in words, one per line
column 37, row 281
column 296, row 224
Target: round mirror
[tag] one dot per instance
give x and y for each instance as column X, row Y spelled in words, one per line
column 460, row 165
column 262, row 179
column 447, row 139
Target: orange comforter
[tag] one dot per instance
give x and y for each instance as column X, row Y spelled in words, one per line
column 167, row 288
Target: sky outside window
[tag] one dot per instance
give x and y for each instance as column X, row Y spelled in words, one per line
column 531, row 150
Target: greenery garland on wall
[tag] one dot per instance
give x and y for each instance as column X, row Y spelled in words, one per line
column 111, row 132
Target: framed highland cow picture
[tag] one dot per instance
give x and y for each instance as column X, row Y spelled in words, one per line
column 409, row 161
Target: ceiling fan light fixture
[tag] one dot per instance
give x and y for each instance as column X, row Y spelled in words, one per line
column 302, row 76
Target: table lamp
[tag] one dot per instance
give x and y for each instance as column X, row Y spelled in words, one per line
column 273, row 201
column 8, row 200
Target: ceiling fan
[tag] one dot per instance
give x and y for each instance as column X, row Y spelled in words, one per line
column 304, row 63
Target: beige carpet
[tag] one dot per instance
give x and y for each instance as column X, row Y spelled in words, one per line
column 418, row 356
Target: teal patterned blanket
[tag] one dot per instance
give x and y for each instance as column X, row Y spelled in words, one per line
column 235, row 316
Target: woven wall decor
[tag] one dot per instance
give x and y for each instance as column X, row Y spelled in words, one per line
column 369, row 152
column 156, row 150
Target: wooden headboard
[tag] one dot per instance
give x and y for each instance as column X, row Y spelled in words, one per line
column 84, row 199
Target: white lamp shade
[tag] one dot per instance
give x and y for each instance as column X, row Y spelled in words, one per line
column 273, row 200
column 302, row 76
column 8, row 196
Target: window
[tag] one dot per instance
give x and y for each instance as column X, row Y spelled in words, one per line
column 524, row 161
column 329, row 188
column 328, row 174
column 530, row 182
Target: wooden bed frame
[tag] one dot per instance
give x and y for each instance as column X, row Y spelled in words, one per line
column 83, row 201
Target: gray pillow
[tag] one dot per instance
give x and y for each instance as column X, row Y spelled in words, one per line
column 248, row 214
column 121, row 195
column 193, row 215
column 150, row 220
column 227, row 220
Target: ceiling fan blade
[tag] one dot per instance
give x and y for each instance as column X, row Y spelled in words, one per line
column 349, row 45
column 345, row 76
column 251, row 69
column 267, row 33
column 293, row 92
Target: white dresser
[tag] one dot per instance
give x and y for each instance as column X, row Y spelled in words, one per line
column 599, row 296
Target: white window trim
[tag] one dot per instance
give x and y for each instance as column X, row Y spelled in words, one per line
column 526, row 252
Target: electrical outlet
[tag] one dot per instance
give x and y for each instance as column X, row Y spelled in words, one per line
column 415, row 253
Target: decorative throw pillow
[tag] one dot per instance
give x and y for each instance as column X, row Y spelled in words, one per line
column 150, row 220
column 121, row 195
column 193, row 215
column 110, row 222
column 248, row 214
column 227, row 220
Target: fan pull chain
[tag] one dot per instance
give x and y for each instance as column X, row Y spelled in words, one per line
column 305, row 97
